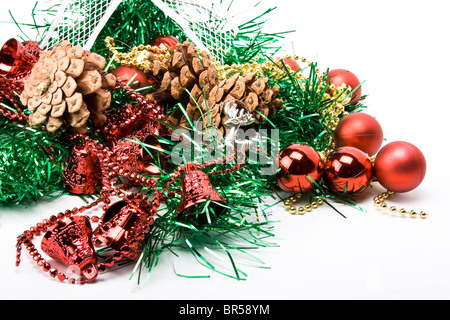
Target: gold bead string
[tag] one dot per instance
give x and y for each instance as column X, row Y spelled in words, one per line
column 379, row 201
column 267, row 67
column 138, row 56
column 289, row 204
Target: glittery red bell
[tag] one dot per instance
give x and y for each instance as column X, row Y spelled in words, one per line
column 70, row 241
column 196, row 190
column 124, row 225
column 82, row 173
column 15, row 60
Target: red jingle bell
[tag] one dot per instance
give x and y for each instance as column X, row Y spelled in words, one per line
column 196, row 190
column 300, row 167
column 124, row 225
column 15, row 60
column 338, row 77
column 82, row 172
column 131, row 76
column 361, row 131
column 400, row 166
column 70, row 241
column 347, row 171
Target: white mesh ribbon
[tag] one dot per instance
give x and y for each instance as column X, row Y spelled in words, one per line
column 207, row 24
column 79, row 21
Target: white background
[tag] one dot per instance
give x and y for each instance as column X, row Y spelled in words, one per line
column 400, row 48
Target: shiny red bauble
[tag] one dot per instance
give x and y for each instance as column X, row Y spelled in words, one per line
column 361, row 131
column 400, row 166
column 132, row 76
column 165, row 42
column 347, row 171
column 299, row 167
column 338, row 77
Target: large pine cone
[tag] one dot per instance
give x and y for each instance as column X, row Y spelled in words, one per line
column 65, row 87
column 193, row 80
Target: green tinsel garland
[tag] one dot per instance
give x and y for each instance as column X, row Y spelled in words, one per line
column 31, row 164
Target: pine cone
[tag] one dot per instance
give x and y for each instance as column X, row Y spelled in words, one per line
column 187, row 70
column 65, row 87
column 259, row 98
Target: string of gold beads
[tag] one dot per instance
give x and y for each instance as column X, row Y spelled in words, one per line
column 379, row 201
column 136, row 57
column 289, row 204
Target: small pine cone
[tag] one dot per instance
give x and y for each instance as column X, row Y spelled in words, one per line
column 65, row 87
column 259, row 98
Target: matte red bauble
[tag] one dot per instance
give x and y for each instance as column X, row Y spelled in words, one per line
column 347, row 171
column 292, row 64
column 361, row 131
column 400, row 166
column 165, row 42
column 300, row 166
column 338, row 77
column 131, row 75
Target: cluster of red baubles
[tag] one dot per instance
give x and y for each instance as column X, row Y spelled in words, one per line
column 399, row 166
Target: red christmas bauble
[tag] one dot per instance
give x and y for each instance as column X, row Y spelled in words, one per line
column 300, row 166
column 293, row 64
column 165, row 42
column 131, row 75
column 400, row 166
column 338, row 77
column 361, row 131
column 347, row 171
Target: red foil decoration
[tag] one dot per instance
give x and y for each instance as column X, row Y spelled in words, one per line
column 124, row 225
column 70, row 241
column 348, row 171
column 197, row 189
column 82, row 173
column 400, row 166
column 361, row 131
column 300, row 166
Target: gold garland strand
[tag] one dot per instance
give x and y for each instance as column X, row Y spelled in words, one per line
column 379, row 201
column 138, row 56
column 289, row 204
